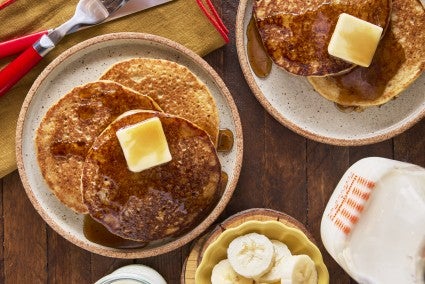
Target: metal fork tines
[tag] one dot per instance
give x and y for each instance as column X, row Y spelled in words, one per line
column 87, row 12
column 113, row 5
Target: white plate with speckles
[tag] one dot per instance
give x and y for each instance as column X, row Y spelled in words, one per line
column 85, row 63
column 293, row 102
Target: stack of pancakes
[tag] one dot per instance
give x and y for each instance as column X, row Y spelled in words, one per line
column 83, row 164
column 296, row 34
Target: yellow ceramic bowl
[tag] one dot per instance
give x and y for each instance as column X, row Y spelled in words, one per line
column 295, row 239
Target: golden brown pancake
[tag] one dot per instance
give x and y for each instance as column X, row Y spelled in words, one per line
column 398, row 61
column 296, row 33
column 69, row 128
column 160, row 202
column 174, row 87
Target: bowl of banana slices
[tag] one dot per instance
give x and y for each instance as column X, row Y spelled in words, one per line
column 261, row 250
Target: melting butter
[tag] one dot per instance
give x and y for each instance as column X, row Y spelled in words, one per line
column 144, row 145
column 354, row 40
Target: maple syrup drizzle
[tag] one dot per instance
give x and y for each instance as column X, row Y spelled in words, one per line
column 225, row 140
column 97, row 233
column 370, row 83
column 258, row 58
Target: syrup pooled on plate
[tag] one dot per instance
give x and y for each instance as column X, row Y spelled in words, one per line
column 225, row 140
column 260, row 62
column 370, row 83
column 97, row 233
column 296, row 34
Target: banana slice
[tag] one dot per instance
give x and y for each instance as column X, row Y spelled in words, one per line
column 298, row 269
column 223, row 273
column 251, row 255
column 274, row 274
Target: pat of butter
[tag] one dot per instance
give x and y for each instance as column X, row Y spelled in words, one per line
column 354, row 40
column 144, row 145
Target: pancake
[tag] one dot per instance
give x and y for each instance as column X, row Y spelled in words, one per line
column 296, row 33
column 398, row 61
column 69, row 128
column 174, row 87
column 160, row 202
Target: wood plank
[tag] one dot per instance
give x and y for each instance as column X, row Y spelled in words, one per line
column 67, row 262
column 325, row 166
column 253, row 120
column 25, row 259
column 185, row 251
column 284, row 185
column 382, row 149
column 169, row 265
column 102, row 265
column 410, row 146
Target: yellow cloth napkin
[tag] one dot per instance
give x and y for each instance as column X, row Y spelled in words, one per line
column 180, row 20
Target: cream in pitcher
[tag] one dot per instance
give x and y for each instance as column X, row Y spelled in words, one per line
column 374, row 223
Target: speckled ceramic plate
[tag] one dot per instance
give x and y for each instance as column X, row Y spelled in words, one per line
column 84, row 63
column 292, row 101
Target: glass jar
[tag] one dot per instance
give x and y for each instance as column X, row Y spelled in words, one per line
column 374, row 223
column 133, row 274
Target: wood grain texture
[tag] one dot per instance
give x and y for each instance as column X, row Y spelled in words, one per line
column 25, row 245
column 325, row 166
column 248, row 193
column 284, row 183
column 410, row 146
column 67, row 262
column 168, row 264
column 102, row 265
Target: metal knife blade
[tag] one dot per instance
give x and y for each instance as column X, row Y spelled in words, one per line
column 134, row 6
column 19, row 44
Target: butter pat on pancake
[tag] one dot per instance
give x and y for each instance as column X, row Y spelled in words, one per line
column 173, row 86
column 144, row 145
column 69, row 128
column 398, row 61
column 354, row 40
column 160, row 202
column 296, row 33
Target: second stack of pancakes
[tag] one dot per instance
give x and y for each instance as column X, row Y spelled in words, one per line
column 296, row 35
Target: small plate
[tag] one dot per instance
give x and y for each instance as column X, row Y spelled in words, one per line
column 293, row 102
column 84, row 63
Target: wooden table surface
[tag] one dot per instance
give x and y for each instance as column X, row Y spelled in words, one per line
column 281, row 170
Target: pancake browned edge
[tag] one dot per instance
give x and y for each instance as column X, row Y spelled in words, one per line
column 160, row 202
column 398, row 61
column 296, row 33
column 174, row 87
column 69, row 128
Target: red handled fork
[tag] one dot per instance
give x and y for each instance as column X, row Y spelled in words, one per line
column 87, row 13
